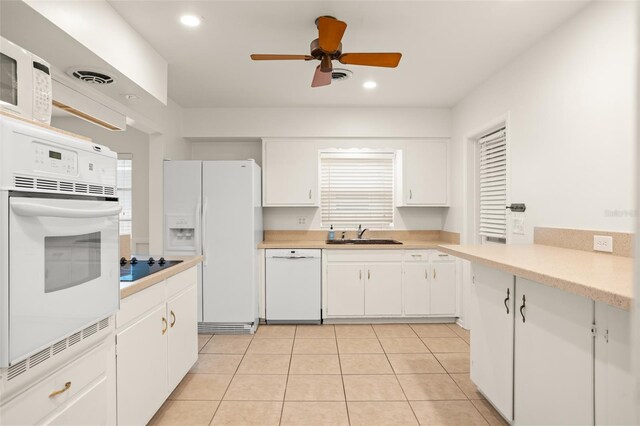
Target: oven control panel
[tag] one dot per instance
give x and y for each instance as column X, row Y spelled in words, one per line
column 55, row 160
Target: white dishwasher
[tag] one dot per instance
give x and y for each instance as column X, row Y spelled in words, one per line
column 293, row 286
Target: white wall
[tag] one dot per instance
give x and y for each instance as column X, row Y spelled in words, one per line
column 132, row 142
column 170, row 145
column 316, row 122
column 570, row 101
column 227, row 150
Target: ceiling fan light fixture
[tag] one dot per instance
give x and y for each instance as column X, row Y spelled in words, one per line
column 369, row 85
column 190, row 20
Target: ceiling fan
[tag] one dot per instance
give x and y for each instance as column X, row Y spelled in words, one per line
column 327, row 47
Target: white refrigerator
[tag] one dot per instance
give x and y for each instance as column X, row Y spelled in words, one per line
column 214, row 208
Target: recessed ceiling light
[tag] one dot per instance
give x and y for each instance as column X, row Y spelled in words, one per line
column 190, row 20
column 369, row 84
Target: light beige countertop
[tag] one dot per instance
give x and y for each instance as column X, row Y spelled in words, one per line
column 132, row 287
column 304, row 244
column 597, row 276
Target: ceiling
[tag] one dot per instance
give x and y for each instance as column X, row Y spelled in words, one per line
column 449, row 48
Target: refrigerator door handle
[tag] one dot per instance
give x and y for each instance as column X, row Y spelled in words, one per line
column 204, row 229
column 198, row 230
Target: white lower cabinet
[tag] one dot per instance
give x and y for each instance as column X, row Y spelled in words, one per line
column 76, row 394
column 377, row 283
column 492, row 306
column 415, row 288
column 442, row 297
column 553, row 356
column 615, row 383
column 345, row 289
column 183, row 335
column 383, row 289
column 356, row 289
column 88, row 408
column 533, row 354
column 142, row 368
column 157, row 344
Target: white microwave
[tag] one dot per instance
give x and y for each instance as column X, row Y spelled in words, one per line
column 25, row 83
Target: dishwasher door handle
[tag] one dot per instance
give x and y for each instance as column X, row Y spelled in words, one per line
column 291, row 257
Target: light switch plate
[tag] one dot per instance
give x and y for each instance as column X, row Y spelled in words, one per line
column 603, row 243
column 517, row 225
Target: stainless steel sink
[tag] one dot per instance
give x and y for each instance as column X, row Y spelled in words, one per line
column 363, row 241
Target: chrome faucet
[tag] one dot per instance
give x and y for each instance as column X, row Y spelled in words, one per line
column 361, row 231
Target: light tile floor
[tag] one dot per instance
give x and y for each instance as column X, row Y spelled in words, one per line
column 380, row 374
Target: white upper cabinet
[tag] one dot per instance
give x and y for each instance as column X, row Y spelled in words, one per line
column 425, row 173
column 290, row 173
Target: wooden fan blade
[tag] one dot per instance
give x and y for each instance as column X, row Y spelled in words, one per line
column 330, row 32
column 321, row 78
column 269, row 57
column 390, row 60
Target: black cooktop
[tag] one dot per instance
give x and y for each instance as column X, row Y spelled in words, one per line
column 134, row 269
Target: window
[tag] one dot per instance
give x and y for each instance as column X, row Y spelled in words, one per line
column 493, row 186
column 125, row 163
column 356, row 188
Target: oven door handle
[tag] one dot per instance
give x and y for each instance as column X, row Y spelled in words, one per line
column 31, row 209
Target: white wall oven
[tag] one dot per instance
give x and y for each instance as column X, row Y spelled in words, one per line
column 59, row 236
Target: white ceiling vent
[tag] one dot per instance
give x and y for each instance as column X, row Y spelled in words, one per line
column 340, row 74
column 93, row 76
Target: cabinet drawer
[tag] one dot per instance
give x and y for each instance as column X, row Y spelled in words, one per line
column 181, row 281
column 88, row 408
column 137, row 304
column 37, row 402
column 364, row 256
column 438, row 256
column 417, row 255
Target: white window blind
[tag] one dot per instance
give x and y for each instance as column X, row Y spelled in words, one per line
column 493, row 186
column 356, row 188
column 125, row 186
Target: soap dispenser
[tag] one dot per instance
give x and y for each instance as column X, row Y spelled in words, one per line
column 332, row 233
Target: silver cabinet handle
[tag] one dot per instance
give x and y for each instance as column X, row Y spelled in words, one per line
column 426, row 274
column 368, row 274
column 309, row 194
column 410, row 195
column 434, row 273
column 360, row 274
column 524, row 305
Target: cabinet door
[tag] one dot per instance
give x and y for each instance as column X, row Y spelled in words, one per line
column 553, row 356
column 415, row 288
column 443, row 288
column 87, row 408
column 492, row 310
column 290, row 173
column 425, row 166
column 142, row 368
column 383, row 289
column 615, row 385
column 345, row 289
column 183, row 335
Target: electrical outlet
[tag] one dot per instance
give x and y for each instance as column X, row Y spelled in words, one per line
column 302, row 220
column 602, row 243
